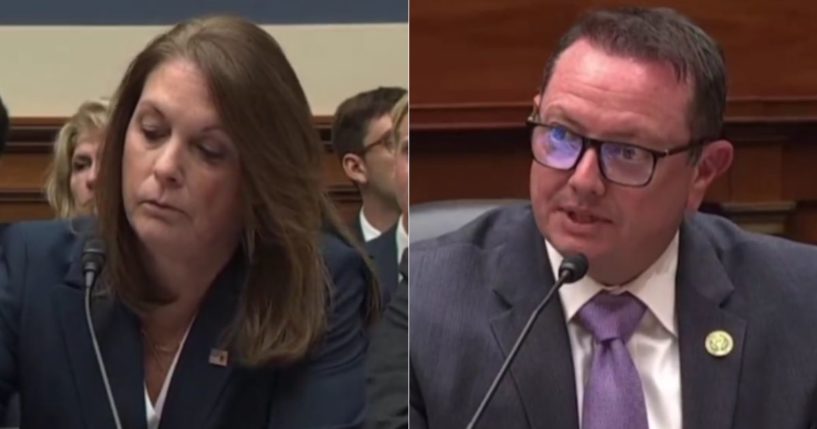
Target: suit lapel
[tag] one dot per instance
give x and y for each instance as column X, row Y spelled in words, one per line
column 388, row 263
column 404, row 266
column 118, row 336
column 195, row 392
column 709, row 384
column 384, row 252
column 543, row 369
column 392, row 266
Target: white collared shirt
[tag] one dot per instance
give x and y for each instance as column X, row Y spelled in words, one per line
column 369, row 231
column 654, row 344
column 401, row 239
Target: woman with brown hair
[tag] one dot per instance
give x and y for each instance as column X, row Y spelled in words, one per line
column 221, row 301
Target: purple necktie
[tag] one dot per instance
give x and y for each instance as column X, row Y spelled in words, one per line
column 613, row 397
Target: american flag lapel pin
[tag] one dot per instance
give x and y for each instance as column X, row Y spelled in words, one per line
column 218, row 357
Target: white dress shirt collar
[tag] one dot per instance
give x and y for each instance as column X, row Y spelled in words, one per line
column 369, row 231
column 655, row 287
column 402, row 238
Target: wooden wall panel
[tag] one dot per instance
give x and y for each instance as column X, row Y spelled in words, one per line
column 757, row 173
column 23, row 170
column 484, row 51
column 800, row 174
column 469, row 164
column 802, row 224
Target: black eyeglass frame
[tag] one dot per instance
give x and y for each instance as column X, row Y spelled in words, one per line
column 532, row 122
column 386, row 140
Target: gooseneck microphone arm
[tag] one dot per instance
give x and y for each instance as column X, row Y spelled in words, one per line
column 572, row 268
column 93, row 259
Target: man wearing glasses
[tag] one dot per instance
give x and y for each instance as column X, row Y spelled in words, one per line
column 683, row 320
column 361, row 137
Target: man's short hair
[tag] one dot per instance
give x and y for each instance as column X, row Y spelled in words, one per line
column 4, row 125
column 661, row 35
column 353, row 116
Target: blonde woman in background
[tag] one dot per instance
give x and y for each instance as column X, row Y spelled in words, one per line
column 387, row 249
column 387, row 382
column 401, row 160
column 72, row 176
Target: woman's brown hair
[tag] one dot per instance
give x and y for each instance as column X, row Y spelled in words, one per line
column 282, row 313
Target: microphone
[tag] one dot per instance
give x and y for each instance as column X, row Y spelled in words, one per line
column 571, row 270
column 93, row 259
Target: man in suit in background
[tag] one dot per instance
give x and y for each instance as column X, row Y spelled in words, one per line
column 683, row 320
column 361, row 135
column 389, row 248
column 387, row 384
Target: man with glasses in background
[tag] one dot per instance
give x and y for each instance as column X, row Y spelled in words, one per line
column 361, row 138
column 683, row 319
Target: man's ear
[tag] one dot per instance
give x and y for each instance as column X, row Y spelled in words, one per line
column 355, row 168
column 715, row 160
column 536, row 99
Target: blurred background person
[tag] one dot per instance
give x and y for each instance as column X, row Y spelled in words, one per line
column 71, row 178
column 401, row 174
column 222, row 303
column 387, row 385
column 4, row 125
column 388, row 248
column 12, row 417
column 361, row 136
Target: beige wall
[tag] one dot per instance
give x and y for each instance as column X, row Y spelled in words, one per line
column 49, row 71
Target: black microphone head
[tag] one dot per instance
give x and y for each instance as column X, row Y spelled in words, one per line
column 93, row 255
column 573, row 267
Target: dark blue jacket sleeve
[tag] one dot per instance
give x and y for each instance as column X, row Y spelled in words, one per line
column 329, row 390
column 12, row 264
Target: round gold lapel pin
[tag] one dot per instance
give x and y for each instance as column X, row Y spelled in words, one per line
column 719, row 343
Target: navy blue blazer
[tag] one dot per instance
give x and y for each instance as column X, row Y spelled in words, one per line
column 46, row 352
column 473, row 290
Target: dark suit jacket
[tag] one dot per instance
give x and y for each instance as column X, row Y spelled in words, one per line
column 46, row 352
column 357, row 228
column 473, row 290
column 388, row 364
column 383, row 251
